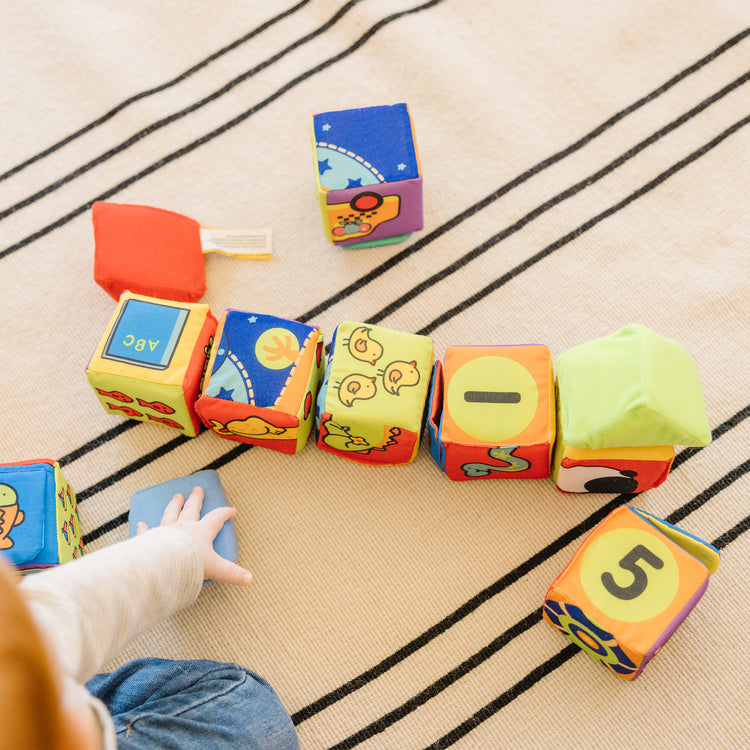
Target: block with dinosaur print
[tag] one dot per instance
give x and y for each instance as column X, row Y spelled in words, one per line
column 262, row 378
column 151, row 359
column 39, row 526
column 370, row 408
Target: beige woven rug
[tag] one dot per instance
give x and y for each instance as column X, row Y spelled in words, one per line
column 586, row 165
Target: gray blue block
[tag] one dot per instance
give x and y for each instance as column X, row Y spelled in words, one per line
column 148, row 505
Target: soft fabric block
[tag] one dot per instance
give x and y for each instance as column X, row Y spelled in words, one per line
column 610, row 470
column 628, row 587
column 147, row 250
column 633, row 388
column 492, row 412
column 39, row 526
column 149, row 363
column 148, row 505
column 368, row 176
column 262, row 378
column 371, row 405
column 621, row 470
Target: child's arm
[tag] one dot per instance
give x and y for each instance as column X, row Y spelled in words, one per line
column 90, row 608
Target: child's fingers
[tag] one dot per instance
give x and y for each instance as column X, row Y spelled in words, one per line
column 140, row 527
column 226, row 571
column 217, row 517
column 173, row 509
column 192, row 508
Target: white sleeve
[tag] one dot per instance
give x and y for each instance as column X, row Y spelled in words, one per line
column 90, row 608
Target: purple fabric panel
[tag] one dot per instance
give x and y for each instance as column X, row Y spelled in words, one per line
column 410, row 217
column 670, row 629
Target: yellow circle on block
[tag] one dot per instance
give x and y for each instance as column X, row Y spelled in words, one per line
column 277, row 348
column 493, row 399
column 629, row 575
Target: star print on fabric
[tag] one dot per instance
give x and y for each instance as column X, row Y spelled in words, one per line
column 401, row 167
column 323, row 166
column 326, row 126
column 252, row 319
column 354, row 183
column 225, row 393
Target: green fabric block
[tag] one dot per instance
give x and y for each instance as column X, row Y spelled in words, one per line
column 633, row 388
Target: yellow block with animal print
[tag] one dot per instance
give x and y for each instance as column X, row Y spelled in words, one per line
column 371, row 405
column 150, row 361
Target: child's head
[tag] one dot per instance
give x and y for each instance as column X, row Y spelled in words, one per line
column 32, row 716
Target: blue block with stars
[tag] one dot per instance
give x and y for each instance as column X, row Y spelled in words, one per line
column 262, row 376
column 368, row 176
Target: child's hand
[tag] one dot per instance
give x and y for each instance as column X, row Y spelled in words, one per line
column 185, row 515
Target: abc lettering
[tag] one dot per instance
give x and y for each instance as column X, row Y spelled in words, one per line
column 140, row 344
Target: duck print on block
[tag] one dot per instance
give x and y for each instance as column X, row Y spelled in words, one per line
column 371, row 403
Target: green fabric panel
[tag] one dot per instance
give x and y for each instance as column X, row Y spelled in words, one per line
column 633, row 388
column 381, row 242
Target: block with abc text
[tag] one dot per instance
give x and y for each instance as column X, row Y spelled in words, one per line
column 150, row 362
column 368, row 177
column 262, row 378
column 371, row 405
column 628, row 588
column 492, row 412
column 39, row 526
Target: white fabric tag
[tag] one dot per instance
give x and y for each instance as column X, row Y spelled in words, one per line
column 239, row 243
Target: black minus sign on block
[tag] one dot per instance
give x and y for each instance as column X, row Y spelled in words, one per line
column 492, row 397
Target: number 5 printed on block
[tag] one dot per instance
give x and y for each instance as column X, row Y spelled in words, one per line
column 629, row 574
column 640, row 576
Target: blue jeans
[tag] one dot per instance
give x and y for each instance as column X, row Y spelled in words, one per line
column 185, row 705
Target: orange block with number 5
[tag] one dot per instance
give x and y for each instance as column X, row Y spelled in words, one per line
column 628, row 587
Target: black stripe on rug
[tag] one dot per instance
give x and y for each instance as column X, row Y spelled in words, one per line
column 586, row 226
column 175, row 116
column 488, row 593
column 155, row 90
column 216, row 132
column 549, row 666
column 520, row 179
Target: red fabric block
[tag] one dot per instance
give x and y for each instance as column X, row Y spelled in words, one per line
column 147, row 251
